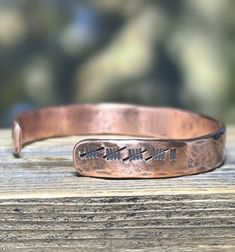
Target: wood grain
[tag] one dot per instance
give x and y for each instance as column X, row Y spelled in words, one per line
column 45, row 205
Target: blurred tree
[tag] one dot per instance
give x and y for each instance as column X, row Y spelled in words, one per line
column 167, row 53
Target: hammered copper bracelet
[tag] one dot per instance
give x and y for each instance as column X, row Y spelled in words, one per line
column 171, row 142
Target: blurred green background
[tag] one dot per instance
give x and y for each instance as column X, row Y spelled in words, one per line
column 177, row 53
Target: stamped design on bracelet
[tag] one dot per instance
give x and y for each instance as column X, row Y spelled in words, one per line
column 125, row 153
column 134, row 154
column 90, row 153
column 113, row 153
column 160, row 154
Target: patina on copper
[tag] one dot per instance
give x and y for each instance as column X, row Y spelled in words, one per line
column 168, row 142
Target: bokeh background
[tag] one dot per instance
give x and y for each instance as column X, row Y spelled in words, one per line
column 177, row 53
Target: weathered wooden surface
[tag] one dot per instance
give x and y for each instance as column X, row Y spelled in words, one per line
column 44, row 204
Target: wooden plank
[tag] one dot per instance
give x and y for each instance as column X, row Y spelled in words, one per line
column 44, row 204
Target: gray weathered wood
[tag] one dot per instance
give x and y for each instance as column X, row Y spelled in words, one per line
column 44, row 204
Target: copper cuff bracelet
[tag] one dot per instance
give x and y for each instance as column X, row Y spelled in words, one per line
column 171, row 142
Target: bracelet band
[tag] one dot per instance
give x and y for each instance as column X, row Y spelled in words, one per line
column 169, row 142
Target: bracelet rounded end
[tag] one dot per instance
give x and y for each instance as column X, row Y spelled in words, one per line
column 17, row 139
